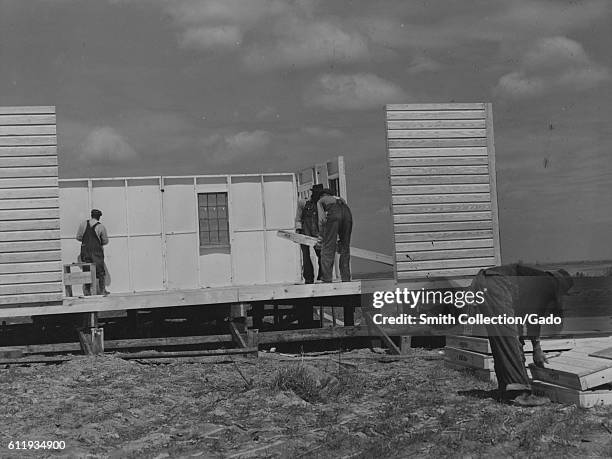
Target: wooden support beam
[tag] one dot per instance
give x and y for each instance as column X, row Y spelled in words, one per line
column 237, row 336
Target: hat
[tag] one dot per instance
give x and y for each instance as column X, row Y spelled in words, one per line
column 327, row 191
column 317, row 186
column 95, row 213
column 564, row 280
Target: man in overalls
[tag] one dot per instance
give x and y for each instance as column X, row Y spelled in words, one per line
column 335, row 226
column 516, row 290
column 307, row 223
column 92, row 235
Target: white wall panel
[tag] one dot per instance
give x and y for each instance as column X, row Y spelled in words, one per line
column 283, row 259
column 109, row 197
column 144, row 202
column 246, row 202
column 279, row 200
column 248, row 258
column 74, row 207
column 116, row 260
column 215, row 267
column 182, row 261
column 179, row 205
column 146, row 263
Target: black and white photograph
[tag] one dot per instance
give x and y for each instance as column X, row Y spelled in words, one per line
column 345, row 229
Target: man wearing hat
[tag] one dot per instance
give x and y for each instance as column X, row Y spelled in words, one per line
column 335, row 225
column 307, row 223
column 517, row 290
column 92, row 235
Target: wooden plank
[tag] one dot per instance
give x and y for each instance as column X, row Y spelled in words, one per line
column 439, row 189
column 415, row 161
column 24, row 214
column 28, row 151
column 445, row 264
column 432, row 124
column 35, row 267
column 18, row 172
column 38, row 298
column 29, row 278
column 22, row 257
column 482, row 345
column 370, row 255
column 29, row 246
column 481, row 374
column 381, row 333
column 442, row 217
column 19, row 289
column 435, row 236
column 27, row 130
column 435, row 115
column 468, row 358
column 237, row 336
column 26, row 161
column 434, row 133
column 34, row 109
column 603, row 353
column 429, row 143
column 444, row 254
column 26, row 193
column 583, row 399
column 438, row 179
column 11, row 204
column 437, row 106
column 15, row 120
column 558, row 377
column 439, row 170
column 25, row 225
column 441, row 198
column 28, row 183
column 438, row 273
column 436, row 152
column 449, row 226
column 78, row 278
column 27, row 141
column 567, row 376
column 433, row 208
column 493, row 184
column 268, row 292
column 413, row 247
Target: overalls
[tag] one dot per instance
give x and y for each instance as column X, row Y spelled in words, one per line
column 310, row 227
column 92, row 252
column 336, row 236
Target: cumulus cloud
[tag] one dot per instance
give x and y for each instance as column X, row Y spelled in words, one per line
column 359, row 91
column 106, row 144
column 421, row 64
column 211, row 37
column 323, row 133
column 237, row 146
column 551, row 64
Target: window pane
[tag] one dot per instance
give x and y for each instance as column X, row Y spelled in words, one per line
column 214, row 237
column 204, row 226
column 212, row 199
column 203, row 211
column 221, row 199
column 222, row 212
column 214, row 224
column 212, row 212
column 222, row 224
column 223, row 237
column 202, row 200
column 204, row 238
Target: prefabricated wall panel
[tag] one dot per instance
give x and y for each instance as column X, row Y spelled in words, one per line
column 155, row 225
column 30, row 266
column 443, row 188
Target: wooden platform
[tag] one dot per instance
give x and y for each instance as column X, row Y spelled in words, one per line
column 583, row 399
column 215, row 296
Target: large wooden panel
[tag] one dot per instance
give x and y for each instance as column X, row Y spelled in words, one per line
column 246, row 203
column 144, row 206
column 180, row 206
column 117, row 265
column 146, row 264
column 29, row 206
column 215, row 267
column 278, row 195
column 442, row 178
column 182, row 261
column 282, row 259
column 248, row 254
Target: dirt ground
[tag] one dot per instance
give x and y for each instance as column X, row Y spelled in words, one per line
column 359, row 405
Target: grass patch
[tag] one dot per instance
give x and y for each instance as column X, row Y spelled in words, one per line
column 299, row 380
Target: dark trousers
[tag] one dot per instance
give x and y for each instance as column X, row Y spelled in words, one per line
column 337, row 237
column 509, row 360
column 307, row 268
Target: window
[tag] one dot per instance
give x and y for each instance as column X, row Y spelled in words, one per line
column 334, row 186
column 212, row 215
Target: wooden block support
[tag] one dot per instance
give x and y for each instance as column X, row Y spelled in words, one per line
column 405, row 344
column 86, row 276
column 92, row 341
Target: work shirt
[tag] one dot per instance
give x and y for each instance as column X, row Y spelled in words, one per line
column 325, row 202
column 99, row 229
column 306, row 218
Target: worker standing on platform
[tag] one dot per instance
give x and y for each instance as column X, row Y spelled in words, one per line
column 516, row 291
column 92, row 235
column 307, row 223
column 335, row 225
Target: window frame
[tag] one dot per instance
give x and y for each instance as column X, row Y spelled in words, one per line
column 217, row 220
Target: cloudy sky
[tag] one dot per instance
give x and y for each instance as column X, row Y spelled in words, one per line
column 148, row 87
